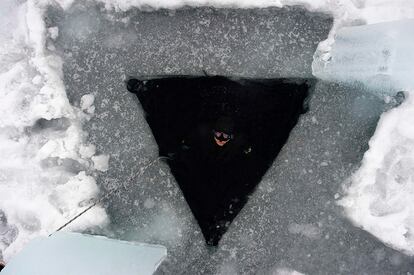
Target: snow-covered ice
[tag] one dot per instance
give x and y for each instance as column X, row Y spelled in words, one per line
column 44, row 179
column 69, row 131
column 379, row 196
column 292, row 220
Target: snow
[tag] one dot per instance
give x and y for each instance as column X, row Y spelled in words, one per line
column 100, row 162
column 77, row 254
column 380, row 195
column 43, row 178
column 53, row 32
column 86, row 103
column 376, row 11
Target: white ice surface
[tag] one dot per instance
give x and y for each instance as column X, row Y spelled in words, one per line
column 78, row 254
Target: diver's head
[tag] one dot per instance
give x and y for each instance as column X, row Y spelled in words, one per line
column 223, row 131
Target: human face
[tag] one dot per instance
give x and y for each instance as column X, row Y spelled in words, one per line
column 221, row 138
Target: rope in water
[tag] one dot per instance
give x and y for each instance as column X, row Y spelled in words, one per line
column 130, row 179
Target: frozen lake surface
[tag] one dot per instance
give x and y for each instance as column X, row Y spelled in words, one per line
column 70, row 131
column 292, row 220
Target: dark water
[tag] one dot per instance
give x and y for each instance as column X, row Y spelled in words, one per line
column 184, row 113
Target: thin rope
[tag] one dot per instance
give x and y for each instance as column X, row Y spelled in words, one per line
column 130, row 179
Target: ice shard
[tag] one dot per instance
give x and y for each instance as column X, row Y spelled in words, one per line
column 78, row 254
column 379, row 55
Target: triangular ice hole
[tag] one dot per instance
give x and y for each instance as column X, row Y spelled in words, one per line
column 188, row 116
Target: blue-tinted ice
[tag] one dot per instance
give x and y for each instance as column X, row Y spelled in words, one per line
column 78, row 254
column 379, row 55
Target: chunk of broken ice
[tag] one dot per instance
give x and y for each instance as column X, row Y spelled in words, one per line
column 378, row 55
column 74, row 253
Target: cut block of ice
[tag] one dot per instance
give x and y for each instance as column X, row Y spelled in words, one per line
column 73, row 253
column 379, row 55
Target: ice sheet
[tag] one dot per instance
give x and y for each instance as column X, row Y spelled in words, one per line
column 292, row 220
column 99, row 47
column 78, row 254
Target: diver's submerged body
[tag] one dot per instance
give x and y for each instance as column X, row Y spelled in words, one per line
column 211, row 164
